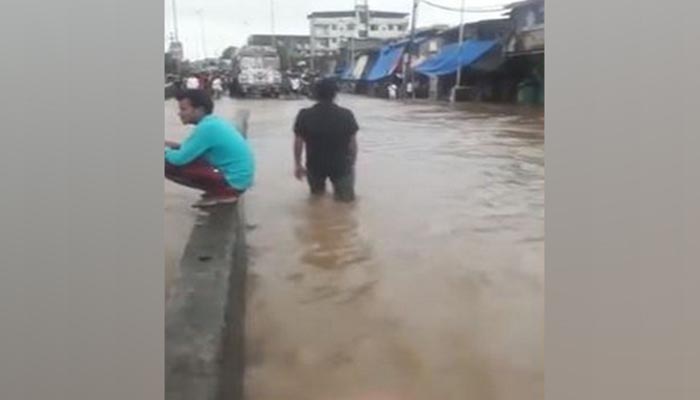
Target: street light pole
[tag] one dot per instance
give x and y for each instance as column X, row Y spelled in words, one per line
column 174, row 6
column 272, row 22
column 458, row 83
column 200, row 12
column 178, row 61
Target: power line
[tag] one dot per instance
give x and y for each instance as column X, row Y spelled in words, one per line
column 484, row 9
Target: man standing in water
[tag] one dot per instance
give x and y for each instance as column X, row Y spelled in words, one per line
column 328, row 132
column 215, row 158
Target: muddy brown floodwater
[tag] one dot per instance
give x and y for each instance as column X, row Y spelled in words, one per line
column 429, row 287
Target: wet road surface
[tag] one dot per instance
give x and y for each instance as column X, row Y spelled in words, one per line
column 430, row 286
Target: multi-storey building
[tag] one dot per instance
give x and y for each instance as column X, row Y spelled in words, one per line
column 329, row 30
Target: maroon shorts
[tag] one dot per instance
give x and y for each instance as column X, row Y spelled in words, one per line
column 201, row 175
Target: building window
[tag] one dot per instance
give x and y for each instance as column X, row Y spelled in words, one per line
column 373, row 27
column 539, row 15
column 334, row 27
column 351, row 27
column 362, row 34
column 322, row 29
column 382, row 28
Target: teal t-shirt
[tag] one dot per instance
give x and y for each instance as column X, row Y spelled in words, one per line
column 223, row 146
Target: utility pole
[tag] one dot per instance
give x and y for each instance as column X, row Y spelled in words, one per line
column 458, row 83
column 272, row 22
column 200, row 12
column 367, row 15
column 273, row 39
column 409, row 49
column 352, row 50
column 176, row 38
column 313, row 43
column 355, row 33
column 174, row 9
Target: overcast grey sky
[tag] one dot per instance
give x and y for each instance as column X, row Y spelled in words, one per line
column 229, row 22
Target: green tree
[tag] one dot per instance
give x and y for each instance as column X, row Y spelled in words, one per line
column 170, row 64
column 228, row 53
column 284, row 55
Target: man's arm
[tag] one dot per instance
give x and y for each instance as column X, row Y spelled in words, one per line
column 195, row 146
column 299, row 170
column 353, row 149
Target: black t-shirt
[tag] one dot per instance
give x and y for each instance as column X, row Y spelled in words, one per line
column 326, row 129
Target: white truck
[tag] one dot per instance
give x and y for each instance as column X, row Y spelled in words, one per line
column 257, row 71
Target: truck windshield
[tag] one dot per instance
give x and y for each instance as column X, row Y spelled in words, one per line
column 251, row 62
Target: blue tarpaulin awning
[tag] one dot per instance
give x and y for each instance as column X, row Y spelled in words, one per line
column 452, row 57
column 346, row 74
column 386, row 63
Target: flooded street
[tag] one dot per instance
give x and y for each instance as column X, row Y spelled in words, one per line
column 430, row 287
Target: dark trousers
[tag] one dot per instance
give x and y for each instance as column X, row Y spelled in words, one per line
column 343, row 184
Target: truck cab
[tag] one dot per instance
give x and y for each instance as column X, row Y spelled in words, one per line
column 257, row 71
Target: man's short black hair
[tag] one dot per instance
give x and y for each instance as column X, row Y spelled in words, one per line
column 198, row 98
column 326, row 89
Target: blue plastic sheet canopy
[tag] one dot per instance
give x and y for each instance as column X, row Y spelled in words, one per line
column 451, row 57
column 346, row 74
column 386, row 63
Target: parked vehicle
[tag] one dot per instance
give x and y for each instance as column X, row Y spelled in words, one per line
column 257, row 71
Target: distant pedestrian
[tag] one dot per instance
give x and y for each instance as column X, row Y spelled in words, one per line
column 215, row 158
column 192, row 83
column 328, row 134
column 392, row 89
column 217, row 87
column 295, row 85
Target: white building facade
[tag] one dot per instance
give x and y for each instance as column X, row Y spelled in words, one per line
column 330, row 29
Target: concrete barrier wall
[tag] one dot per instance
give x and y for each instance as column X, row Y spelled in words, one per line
column 205, row 315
